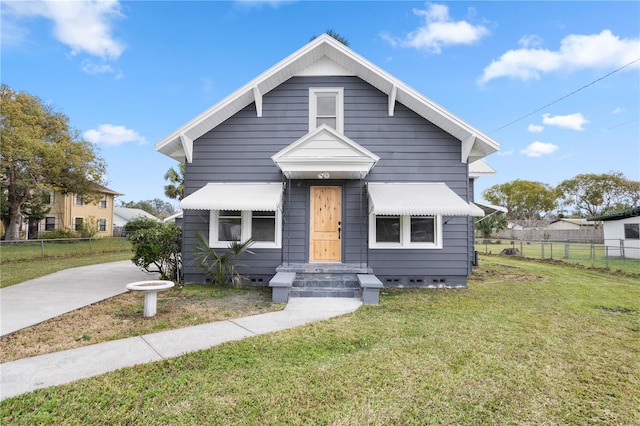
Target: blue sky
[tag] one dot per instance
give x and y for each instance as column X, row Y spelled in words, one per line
column 554, row 82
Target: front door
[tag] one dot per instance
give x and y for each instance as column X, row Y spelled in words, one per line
column 326, row 223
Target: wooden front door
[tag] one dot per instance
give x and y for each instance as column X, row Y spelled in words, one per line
column 326, row 223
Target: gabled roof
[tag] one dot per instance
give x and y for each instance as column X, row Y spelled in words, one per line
column 325, row 154
column 578, row 222
column 480, row 168
column 127, row 214
column 326, row 56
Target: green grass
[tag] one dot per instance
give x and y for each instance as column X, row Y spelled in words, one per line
column 527, row 343
column 16, row 272
column 34, row 249
column 581, row 253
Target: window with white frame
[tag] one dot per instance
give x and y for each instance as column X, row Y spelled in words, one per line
column 49, row 223
column 103, row 202
column 79, row 201
column 405, row 232
column 326, row 106
column 77, row 224
column 227, row 226
column 102, row 225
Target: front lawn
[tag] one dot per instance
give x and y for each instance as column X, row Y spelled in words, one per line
column 527, row 343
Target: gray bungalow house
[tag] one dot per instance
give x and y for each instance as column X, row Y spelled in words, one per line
column 334, row 168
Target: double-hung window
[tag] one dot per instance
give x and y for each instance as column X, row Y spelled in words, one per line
column 79, row 200
column 50, row 223
column 405, row 232
column 227, row 226
column 103, row 202
column 77, row 224
column 102, row 225
column 326, row 106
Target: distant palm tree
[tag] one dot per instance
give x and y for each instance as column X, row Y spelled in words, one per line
column 334, row 35
column 175, row 190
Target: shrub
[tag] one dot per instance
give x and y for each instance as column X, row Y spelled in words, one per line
column 221, row 268
column 159, row 249
column 58, row 234
column 140, row 223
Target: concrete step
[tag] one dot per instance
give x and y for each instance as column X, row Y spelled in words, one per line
column 325, row 292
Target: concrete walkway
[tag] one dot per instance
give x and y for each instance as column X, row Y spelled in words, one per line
column 28, row 374
column 34, row 301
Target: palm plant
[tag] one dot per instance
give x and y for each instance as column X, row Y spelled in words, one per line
column 221, row 268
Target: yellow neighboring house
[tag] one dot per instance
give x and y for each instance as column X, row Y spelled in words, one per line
column 71, row 212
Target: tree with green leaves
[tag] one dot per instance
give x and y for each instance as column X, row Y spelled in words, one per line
column 175, row 189
column 40, row 150
column 525, row 200
column 156, row 207
column 491, row 223
column 595, row 194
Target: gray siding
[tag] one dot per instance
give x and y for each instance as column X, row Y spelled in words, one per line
column 410, row 149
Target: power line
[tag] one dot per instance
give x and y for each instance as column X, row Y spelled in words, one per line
column 565, row 96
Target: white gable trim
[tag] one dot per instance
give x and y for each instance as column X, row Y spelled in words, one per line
column 325, row 154
column 317, row 51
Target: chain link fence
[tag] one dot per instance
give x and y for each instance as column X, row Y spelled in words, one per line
column 32, row 249
column 610, row 254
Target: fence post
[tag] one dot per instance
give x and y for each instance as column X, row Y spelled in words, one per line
column 551, row 250
column 606, row 256
column 621, row 248
column 486, row 247
column 521, row 249
column 42, row 247
column 592, row 252
column 542, row 249
column 566, row 249
column 90, row 248
column 124, row 243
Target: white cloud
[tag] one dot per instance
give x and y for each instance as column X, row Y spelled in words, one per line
column 531, row 40
column 84, row 26
column 506, row 153
column 571, row 121
column 538, row 149
column 618, row 110
column 111, row 135
column 576, row 52
column 439, row 31
column 534, row 128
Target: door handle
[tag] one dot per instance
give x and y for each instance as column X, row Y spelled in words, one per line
column 339, row 230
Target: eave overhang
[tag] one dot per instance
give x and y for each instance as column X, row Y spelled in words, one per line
column 322, row 50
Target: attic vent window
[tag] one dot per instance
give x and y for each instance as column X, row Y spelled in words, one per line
column 326, row 106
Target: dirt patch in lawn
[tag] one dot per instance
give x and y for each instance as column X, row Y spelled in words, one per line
column 503, row 273
column 121, row 316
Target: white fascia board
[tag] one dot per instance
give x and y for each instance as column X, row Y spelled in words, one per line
column 327, row 46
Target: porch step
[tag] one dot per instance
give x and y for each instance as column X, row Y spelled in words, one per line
column 325, row 279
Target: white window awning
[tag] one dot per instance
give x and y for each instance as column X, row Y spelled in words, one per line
column 264, row 196
column 418, row 199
